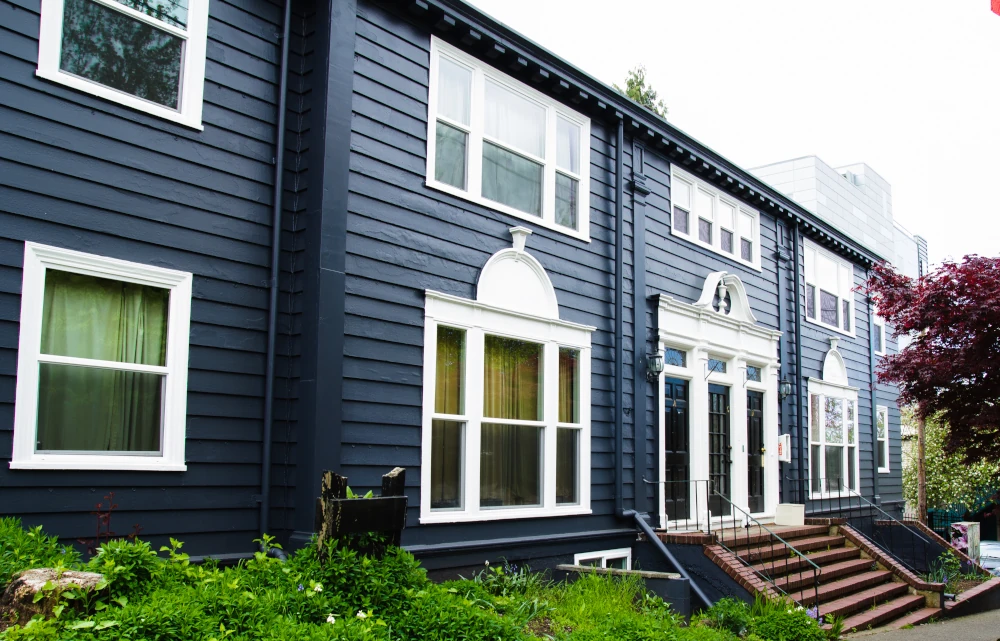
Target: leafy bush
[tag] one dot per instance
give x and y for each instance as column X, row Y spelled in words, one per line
column 729, row 614
column 131, row 568
column 22, row 549
column 767, row 620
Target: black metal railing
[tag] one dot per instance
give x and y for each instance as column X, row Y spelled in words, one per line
column 834, row 498
column 773, row 559
column 686, row 505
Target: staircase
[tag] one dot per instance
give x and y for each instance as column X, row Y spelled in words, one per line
column 856, row 581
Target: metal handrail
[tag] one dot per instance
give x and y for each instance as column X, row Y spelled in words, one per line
column 693, row 508
column 720, row 536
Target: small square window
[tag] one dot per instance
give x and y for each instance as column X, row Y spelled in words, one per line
column 727, row 241
column 706, row 216
column 674, row 357
column 746, row 250
column 828, row 308
column 716, row 365
column 704, row 231
column 753, row 373
column 681, row 220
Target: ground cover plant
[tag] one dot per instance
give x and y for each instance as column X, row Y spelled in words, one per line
column 159, row 595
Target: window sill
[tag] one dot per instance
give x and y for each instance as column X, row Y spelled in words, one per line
column 826, row 496
column 535, row 220
column 883, row 470
column 113, row 95
column 715, row 250
column 832, row 328
column 100, row 464
column 501, row 514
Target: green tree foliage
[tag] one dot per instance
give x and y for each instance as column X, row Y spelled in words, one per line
column 951, row 481
column 637, row 90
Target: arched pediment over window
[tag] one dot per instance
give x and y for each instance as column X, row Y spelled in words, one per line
column 724, row 293
column 834, row 368
column 514, row 280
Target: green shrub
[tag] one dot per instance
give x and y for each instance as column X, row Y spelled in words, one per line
column 22, row 549
column 729, row 614
column 131, row 568
column 783, row 620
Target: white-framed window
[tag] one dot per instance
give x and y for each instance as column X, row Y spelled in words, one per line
column 497, row 142
column 102, row 363
column 878, row 329
column 707, row 217
column 618, row 559
column 829, row 289
column 833, row 441
column 146, row 54
column 509, row 414
column 882, row 431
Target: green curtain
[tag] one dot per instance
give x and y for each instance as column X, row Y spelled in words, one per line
column 447, row 436
column 569, row 373
column 510, row 460
column 101, row 409
column 450, row 371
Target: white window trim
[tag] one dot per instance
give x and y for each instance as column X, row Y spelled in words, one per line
column 884, row 411
column 716, row 245
column 479, row 319
column 878, row 320
column 845, row 393
column 474, row 149
column 192, row 61
column 39, row 258
column 604, row 555
column 809, row 245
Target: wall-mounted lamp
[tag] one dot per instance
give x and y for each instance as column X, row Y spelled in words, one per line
column 654, row 366
column 784, row 388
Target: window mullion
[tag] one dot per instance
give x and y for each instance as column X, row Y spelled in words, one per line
column 477, row 125
column 550, row 388
column 549, row 175
column 474, row 410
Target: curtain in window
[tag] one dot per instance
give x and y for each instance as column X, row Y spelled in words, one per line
column 450, row 371
column 100, row 408
column 510, row 462
column 447, row 437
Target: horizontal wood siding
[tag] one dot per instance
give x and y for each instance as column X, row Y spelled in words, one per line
column 404, row 238
column 89, row 175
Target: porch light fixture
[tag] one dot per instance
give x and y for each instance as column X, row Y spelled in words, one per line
column 784, row 388
column 654, row 366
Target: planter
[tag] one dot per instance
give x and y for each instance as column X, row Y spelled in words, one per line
column 367, row 525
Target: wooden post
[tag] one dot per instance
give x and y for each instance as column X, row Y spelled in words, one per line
column 332, row 486
column 350, row 521
column 921, row 467
column 392, row 485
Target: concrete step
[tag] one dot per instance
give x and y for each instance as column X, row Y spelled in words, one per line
column 917, row 617
column 802, row 580
column 884, row 613
column 796, row 564
column 831, row 590
column 852, row 603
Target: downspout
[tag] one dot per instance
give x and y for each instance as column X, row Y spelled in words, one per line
column 799, row 405
column 619, row 313
column 782, row 257
column 871, row 372
column 272, row 313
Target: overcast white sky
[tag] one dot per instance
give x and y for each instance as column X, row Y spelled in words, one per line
column 911, row 87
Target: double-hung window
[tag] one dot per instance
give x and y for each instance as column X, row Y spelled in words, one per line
column 707, row 217
column 508, row 415
column 497, row 142
column 829, row 289
column 102, row 363
column 146, row 54
column 833, row 443
column 882, row 431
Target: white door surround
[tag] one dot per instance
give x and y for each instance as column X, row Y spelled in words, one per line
column 720, row 326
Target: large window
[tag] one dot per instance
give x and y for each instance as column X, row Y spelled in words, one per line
column 833, row 443
column 493, row 140
column 509, row 425
column 146, row 54
column 882, row 431
column 707, row 217
column 102, row 363
column 829, row 289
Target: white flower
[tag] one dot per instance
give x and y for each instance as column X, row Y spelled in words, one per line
column 318, row 587
column 331, row 619
column 487, row 564
column 361, row 614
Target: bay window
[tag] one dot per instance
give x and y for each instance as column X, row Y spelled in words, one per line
column 146, row 54
column 707, row 217
column 497, row 142
column 102, row 363
column 508, row 400
column 829, row 289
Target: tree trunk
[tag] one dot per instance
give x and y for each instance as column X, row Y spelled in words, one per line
column 921, row 468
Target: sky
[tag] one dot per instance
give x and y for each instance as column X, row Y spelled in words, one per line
column 910, row 87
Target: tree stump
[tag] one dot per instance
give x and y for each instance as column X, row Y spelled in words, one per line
column 17, row 603
column 352, row 522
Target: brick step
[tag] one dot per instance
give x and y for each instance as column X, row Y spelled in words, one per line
column 917, row 617
column 802, row 580
column 888, row 611
column 863, row 600
column 743, row 538
column 828, row 591
column 753, row 554
column 797, row 564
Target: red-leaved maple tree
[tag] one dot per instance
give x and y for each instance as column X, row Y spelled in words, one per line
column 952, row 367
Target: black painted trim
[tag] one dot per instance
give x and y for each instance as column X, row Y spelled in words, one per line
column 640, row 328
column 619, row 313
